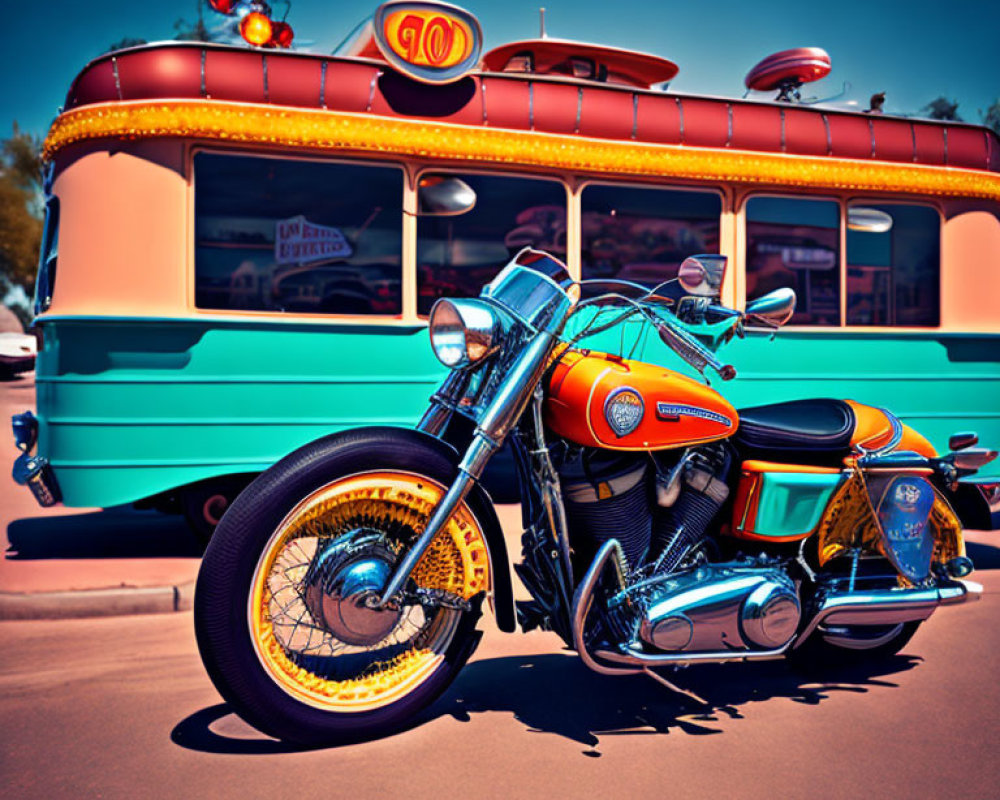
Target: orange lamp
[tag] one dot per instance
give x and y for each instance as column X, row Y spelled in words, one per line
column 256, row 28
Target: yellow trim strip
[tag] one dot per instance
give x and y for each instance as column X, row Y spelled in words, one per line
column 333, row 130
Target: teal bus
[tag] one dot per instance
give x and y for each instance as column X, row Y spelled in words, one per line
column 242, row 245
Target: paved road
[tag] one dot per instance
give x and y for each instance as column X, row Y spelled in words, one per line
column 121, row 708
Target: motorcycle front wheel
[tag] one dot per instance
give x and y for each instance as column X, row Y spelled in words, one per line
column 283, row 604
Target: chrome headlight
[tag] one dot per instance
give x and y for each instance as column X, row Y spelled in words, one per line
column 463, row 331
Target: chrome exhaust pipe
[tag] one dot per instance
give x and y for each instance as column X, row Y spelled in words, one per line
column 890, row 606
column 610, row 550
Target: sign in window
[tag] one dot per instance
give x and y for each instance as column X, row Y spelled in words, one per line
column 297, row 236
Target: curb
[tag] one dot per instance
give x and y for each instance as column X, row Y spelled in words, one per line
column 116, row 602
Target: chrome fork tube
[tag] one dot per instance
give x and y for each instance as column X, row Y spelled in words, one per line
column 497, row 421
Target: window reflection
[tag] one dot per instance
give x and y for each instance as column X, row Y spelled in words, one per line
column 457, row 255
column 795, row 242
column 297, row 236
column 643, row 234
column 893, row 277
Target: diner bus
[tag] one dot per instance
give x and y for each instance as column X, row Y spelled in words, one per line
column 242, row 243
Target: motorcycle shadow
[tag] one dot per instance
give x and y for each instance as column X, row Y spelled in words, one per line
column 555, row 693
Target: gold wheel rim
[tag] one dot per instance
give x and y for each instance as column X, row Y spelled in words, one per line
column 456, row 562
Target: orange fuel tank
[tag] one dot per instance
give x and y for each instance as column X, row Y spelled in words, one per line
column 600, row 400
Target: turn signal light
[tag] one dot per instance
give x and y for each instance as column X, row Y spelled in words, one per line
column 256, row 28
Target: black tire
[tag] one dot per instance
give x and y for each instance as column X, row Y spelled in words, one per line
column 221, row 598
column 816, row 655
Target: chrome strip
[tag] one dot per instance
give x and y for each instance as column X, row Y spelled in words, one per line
column 635, row 658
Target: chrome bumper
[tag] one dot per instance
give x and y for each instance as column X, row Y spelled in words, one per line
column 33, row 471
column 890, row 606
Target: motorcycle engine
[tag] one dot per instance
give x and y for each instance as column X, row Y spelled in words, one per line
column 659, row 515
column 607, row 496
column 750, row 604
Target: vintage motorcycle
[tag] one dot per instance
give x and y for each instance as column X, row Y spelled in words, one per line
column 661, row 526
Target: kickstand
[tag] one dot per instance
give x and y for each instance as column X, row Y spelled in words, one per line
column 673, row 687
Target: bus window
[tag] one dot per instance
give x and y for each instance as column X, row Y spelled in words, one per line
column 795, row 242
column 643, row 234
column 297, row 236
column 456, row 255
column 894, row 272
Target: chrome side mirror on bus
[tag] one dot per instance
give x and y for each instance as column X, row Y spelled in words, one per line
column 444, row 196
column 773, row 310
column 868, row 220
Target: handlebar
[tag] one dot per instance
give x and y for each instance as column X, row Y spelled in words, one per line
column 670, row 330
column 689, row 348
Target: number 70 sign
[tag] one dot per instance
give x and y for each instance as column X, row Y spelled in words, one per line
column 431, row 42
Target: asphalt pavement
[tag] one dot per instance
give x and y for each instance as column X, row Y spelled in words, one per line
column 122, row 707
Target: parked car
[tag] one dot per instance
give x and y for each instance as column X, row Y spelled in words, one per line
column 17, row 354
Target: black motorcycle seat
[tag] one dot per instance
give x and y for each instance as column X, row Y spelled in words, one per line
column 815, row 431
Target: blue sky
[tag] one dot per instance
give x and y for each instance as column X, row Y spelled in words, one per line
column 915, row 51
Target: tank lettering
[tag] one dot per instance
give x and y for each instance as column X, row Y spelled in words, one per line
column 669, row 412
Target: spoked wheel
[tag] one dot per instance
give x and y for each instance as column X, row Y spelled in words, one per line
column 285, row 609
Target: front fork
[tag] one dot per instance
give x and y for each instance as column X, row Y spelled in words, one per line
column 499, row 417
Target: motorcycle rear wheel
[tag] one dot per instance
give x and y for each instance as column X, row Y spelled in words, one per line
column 817, row 655
column 302, row 661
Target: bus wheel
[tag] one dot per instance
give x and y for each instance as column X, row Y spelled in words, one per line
column 203, row 504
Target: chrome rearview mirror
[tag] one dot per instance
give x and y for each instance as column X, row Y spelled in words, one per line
column 774, row 309
column 444, row 196
column 702, row 275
